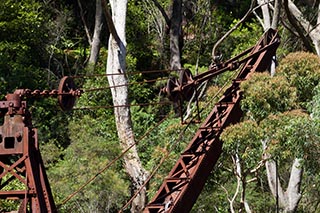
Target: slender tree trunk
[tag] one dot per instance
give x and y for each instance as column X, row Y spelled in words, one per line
column 293, row 190
column 274, row 182
column 241, row 186
column 174, row 23
column 290, row 198
column 312, row 31
column 265, row 14
column 176, row 35
column 274, row 25
column 276, row 14
column 270, row 22
column 116, row 65
column 95, row 43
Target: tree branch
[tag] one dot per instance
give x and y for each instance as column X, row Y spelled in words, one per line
column 84, row 23
column 163, row 12
column 251, row 9
column 229, row 200
column 260, row 164
column 295, row 24
column 289, row 28
column 293, row 190
column 252, row 180
column 276, row 14
column 258, row 17
column 110, row 23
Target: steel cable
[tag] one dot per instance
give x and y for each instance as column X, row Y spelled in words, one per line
column 124, row 85
column 174, row 144
column 124, row 105
column 111, row 163
column 155, row 169
column 128, row 148
column 126, row 73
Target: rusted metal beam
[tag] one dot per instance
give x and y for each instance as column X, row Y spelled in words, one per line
column 20, row 159
column 185, row 181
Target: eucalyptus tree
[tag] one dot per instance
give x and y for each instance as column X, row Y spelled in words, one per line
column 300, row 18
column 116, row 68
column 173, row 20
column 286, row 135
column 270, row 21
column 94, row 38
column 305, row 22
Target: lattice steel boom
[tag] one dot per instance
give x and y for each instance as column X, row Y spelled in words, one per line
column 185, row 181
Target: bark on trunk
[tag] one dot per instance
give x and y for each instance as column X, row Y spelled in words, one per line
column 95, row 43
column 265, row 14
column 276, row 14
column 312, row 31
column 293, row 190
column 176, row 35
column 116, row 64
column 270, row 22
column 289, row 199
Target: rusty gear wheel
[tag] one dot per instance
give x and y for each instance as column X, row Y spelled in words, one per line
column 65, row 98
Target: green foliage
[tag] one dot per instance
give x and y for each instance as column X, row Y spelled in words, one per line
column 243, row 139
column 245, row 36
column 289, row 133
column 39, row 42
column 292, row 135
column 302, row 71
column 212, row 198
column 314, row 104
column 92, row 147
column 12, row 184
column 9, row 205
column 138, row 37
column 22, row 39
column 264, row 95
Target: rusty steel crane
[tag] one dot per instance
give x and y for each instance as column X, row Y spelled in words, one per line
column 20, row 159
column 185, row 181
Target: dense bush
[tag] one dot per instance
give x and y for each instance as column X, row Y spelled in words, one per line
column 302, row 70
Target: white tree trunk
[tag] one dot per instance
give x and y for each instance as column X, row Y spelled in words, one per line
column 116, row 64
column 274, row 182
column 241, row 187
column 293, row 191
column 265, row 14
column 270, row 22
column 175, row 35
column 290, row 198
column 312, row 31
column 95, row 43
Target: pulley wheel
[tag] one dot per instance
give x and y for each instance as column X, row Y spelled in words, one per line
column 186, row 80
column 65, row 98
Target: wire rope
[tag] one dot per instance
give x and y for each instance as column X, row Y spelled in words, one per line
column 124, row 85
column 174, row 144
column 111, row 163
column 128, row 148
column 156, row 168
column 124, row 105
column 126, row 73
